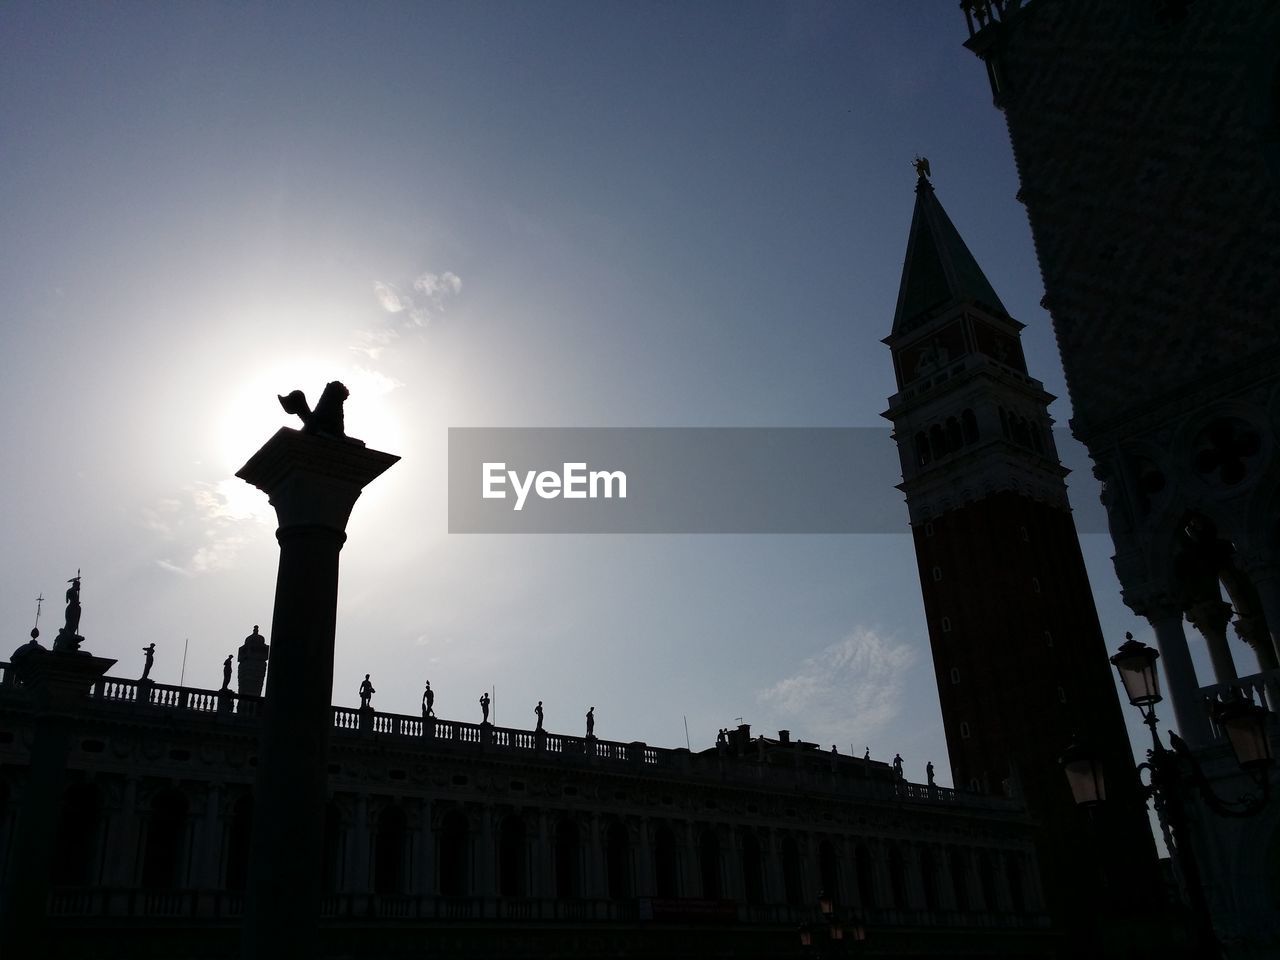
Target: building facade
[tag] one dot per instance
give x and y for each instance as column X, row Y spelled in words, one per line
column 1147, row 142
column 445, row 838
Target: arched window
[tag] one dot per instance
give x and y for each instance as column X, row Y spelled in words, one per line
column 898, row 878
column 866, row 876
column 929, row 878
column 79, row 831
column 164, row 854
column 618, row 860
column 922, row 449
column 238, row 832
column 389, row 873
column 455, row 855
column 568, row 845
column 511, row 857
column 664, row 862
column 937, row 442
column 969, row 423
column 955, row 437
column 791, row 871
column 752, row 868
column 829, row 870
column 709, row 857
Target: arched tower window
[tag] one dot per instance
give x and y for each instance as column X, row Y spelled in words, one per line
column 969, row 424
column 955, row 436
column 922, row 449
column 937, row 442
column 389, row 851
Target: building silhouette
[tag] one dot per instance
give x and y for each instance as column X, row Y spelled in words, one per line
column 1147, row 141
column 1018, row 654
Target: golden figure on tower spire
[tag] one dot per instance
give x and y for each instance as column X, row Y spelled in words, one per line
column 922, row 167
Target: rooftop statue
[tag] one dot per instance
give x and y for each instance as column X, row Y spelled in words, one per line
column 326, row 419
column 68, row 638
column 922, row 168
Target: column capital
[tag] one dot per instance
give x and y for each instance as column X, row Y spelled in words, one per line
column 313, row 480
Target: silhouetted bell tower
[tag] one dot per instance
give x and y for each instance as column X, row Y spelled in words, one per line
column 1018, row 654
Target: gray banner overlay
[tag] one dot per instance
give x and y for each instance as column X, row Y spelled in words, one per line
column 695, row 480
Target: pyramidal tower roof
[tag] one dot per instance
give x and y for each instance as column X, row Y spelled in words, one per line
column 939, row 270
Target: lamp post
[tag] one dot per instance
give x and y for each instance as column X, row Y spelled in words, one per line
column 827, row 936
column 1170, row 772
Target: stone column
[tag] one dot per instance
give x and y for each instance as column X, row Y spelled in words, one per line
column 486, row 856
column 1266, row 581
column 424, row 861
column 775, row 890
column 644, row 886
column 594, row 886
column 1165, row 617
column 209, row 850
column 359, row 847
column 1211, row 617
column 122, row 838
column 58, row 682
column 313, row 483
column 543, row 860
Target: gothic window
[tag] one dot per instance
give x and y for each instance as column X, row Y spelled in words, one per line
column 709, row 854
column 79, row 828
column 828, row 870
column 937, row 574
column 1026, row 537
column 752, row 868
column 618, row 861
column 946, row 624
column 664, row 862
column 964, row 730
column 1035, row 584
column 928, row 529
column 238, row 832
column 567, row 846
column 955, row 674
column 1062, row 695
column 455, row 849
column 969, row 423
column 791, row 871
column 1048, row 639
column 511, row 857
column 164, row 852
column 388, row 851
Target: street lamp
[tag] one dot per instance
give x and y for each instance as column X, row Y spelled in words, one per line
column 1169, row 772
column 829, row 934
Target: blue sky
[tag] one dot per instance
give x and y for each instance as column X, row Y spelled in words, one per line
column 483, row 214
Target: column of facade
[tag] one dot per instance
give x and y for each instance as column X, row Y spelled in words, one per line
column 359, row 841
column 543, row 858
column 1165, row 617
column 775, row 889
column 644, row 885
column 809, row 879
column 1211, row 617
column 946, row 883
column 734, row 883
column 209, row 847
column 912, row 878
column 123, row 837
column 687, row 861
column 593, row 877
column 424, row 854
column 1265, row 577
column 485, row 882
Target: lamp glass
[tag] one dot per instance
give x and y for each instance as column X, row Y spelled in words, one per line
column 1084, row 775
column 1136, row 663
column 1246, row 727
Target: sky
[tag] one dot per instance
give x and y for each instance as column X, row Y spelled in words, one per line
column 485, row 214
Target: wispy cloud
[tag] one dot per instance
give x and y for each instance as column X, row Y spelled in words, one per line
column 851, row 690
column 208, row 527
column 407, row 309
